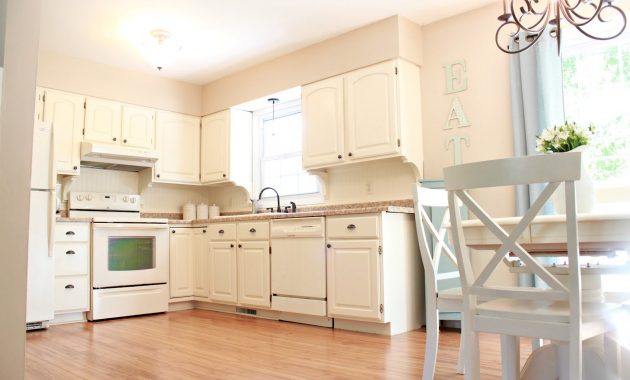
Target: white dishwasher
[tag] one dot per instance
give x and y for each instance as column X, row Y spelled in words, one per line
column 298, row 265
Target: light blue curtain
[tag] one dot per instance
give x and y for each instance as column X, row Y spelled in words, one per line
column 536, row 92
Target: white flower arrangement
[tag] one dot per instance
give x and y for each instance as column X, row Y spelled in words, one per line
column 563, row 138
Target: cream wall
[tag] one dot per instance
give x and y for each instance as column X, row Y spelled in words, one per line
column 89, row 78
column 486, row 102
column 21, row 37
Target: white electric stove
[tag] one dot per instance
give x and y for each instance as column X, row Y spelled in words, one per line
column 130, row 259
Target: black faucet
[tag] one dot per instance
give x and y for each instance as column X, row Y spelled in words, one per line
column 277, row 196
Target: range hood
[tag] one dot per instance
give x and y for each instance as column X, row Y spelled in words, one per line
column 107, row 156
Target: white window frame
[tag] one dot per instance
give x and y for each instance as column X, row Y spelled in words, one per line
column 269, row 197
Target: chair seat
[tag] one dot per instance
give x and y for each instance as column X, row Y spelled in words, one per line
column 452, row 293
column 543, row 311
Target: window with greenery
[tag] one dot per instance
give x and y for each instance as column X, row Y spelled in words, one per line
column 596, row 78
column 280, row 152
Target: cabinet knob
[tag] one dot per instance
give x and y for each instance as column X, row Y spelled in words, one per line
column 157, row 175
column 124, row 141
column 70, row 252
column 69, row 286
column 328, row 246
column 340, row 156
column 231, row 245
column 75, row 167
column 351, row 227
column 70, row 233
column 173, row 231
column 204, row 231
column 224, row 175
column 240, row 246
column 252, row 230
column 350, row 154
column 221, row 231
column 114, row 139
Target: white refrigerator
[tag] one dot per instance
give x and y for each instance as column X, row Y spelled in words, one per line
column 40, row 284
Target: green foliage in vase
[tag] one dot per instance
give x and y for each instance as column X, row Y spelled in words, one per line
column 563, row 138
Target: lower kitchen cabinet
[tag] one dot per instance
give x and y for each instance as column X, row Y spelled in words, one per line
column 181, row 262
column 374, row 270
column 222, row 272
column 201, row 281
column 72, row 268
column 253, row 274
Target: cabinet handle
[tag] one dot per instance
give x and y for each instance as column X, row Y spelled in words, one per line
column 224, row 175
column 221, row 231
column 350, row 154
column 69, row 286
column 340, row 156
column 231, row 245
column 328, row 245
column 351, row 227
column 75, row 167
column 173, row 231
column 70, row 252
column 124, row 141
column 157, row 175
column 70, row 233
column 252, row 230
column 240, row 246
column 114, row 139
column 204, row 231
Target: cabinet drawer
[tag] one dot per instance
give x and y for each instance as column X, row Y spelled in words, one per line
column 253, row 231
column 218, row 232
column 72, row 294
column 353, row 227
column 71, row 258
column 72, row 232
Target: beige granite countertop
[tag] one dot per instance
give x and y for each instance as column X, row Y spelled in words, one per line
column 396, row 206
column 65, row 219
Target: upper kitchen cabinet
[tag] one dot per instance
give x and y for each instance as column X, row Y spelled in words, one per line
column 226, row 148
column 119, row 124
column 138, row 127
column 65, row 111
column 371, row 113
column 177, row 143
column 102, row 121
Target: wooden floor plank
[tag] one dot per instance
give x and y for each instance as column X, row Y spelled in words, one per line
column 199, row 344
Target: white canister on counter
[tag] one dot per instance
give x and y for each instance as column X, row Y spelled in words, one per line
column 214, row 211
column 189, row 211
column 202, row 211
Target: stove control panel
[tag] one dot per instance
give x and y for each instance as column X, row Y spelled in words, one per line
column 80, row 200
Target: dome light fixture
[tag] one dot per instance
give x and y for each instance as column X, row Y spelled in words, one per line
column 160, row 49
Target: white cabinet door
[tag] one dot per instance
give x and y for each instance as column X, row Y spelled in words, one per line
column 354, row 279
column 102, row 121
column 371, row 111
column 138, row 127
column 322, row 110
column 177, row 142
column 215, row 145
column 254, row 273
column 65, row 112
column 223, row 284
column 200, row 260
column 181, row 262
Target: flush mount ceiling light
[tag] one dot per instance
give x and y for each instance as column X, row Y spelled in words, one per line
column 160, row 49
column 528, row 19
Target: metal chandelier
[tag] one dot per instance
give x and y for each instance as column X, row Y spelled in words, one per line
column 529, row 19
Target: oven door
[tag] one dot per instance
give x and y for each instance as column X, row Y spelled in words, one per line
column 126, row 254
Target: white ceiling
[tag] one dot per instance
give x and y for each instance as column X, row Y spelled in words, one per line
column 219, row 37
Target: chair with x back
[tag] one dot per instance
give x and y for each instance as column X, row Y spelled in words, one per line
column 433, row 247
column 556, row 313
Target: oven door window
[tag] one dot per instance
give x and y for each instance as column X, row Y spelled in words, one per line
column 130, row 253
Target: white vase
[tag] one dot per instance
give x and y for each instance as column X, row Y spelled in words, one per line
column 584, row 189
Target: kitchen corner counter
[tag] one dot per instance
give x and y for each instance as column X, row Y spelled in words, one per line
column 399, row 206
column 65, row 219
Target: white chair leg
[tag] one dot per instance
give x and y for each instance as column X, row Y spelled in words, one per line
column 575, row 360
column 464, row 347
column 473, row 370
column 510, row 357
column 431, row 346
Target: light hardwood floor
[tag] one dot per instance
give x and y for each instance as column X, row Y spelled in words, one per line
column 198, row 344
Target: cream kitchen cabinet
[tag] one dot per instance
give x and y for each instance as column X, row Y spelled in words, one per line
column 374, row 273
column 201, row 254
column 66, row 113
column 226, row 148
column 72, row 268
column 181, row 250
column 222, row 264
column 102, row 121
column 254, row 282
column 367, row 114
column 177, row 143
column 138, row 127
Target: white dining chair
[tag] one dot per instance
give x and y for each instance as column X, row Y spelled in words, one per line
column 557, row 313
column 433, row 247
